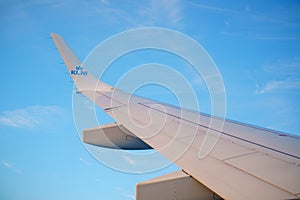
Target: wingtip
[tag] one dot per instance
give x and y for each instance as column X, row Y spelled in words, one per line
column 53, row 35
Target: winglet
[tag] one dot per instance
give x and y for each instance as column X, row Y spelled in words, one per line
column 83, row 79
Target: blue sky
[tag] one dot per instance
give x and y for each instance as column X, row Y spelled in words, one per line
column 255, row 44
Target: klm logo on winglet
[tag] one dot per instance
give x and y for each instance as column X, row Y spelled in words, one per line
column 79, row 71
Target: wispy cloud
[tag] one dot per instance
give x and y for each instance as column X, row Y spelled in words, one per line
column 84, row 161
column 271, row 24
column 149, row 13
column 287, row 74
column 106, row 2
column 31, row 117
column 11, row 167
column 129, row 196
column 290, row 67
column 275, row 37
column 129, row 160
column 261, row 36
column 271, row 86
column 125, row 193
column 213, row 8
column 164, row 10
column 89, row 104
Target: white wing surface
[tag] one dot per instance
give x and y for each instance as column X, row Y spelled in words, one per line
column 247, row 162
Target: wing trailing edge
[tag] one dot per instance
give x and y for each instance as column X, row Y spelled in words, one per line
column 113, row 136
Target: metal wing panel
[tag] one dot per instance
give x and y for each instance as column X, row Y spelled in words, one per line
column 281, row 145
column 269, row 169
column 226, row 180
column 226, row 149
column 278, row 144
column 218, row 171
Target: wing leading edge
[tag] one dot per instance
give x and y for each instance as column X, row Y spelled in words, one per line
column 246, row 163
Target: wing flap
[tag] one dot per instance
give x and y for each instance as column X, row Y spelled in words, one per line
column 268, row 168
column 113, row 136
column 226, row 180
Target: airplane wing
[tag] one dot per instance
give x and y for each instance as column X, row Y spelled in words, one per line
column 247, row 162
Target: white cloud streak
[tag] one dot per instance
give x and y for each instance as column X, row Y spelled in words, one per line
column 289, row 68
column 214, row 8
column 261, row 25
column 84, row 161
column 169, row 11
column 129, row 160
column 287, row 74
column 150, row 13
column 125, row 193
column 31, row 117
column 11, row 167
column 278, row 85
